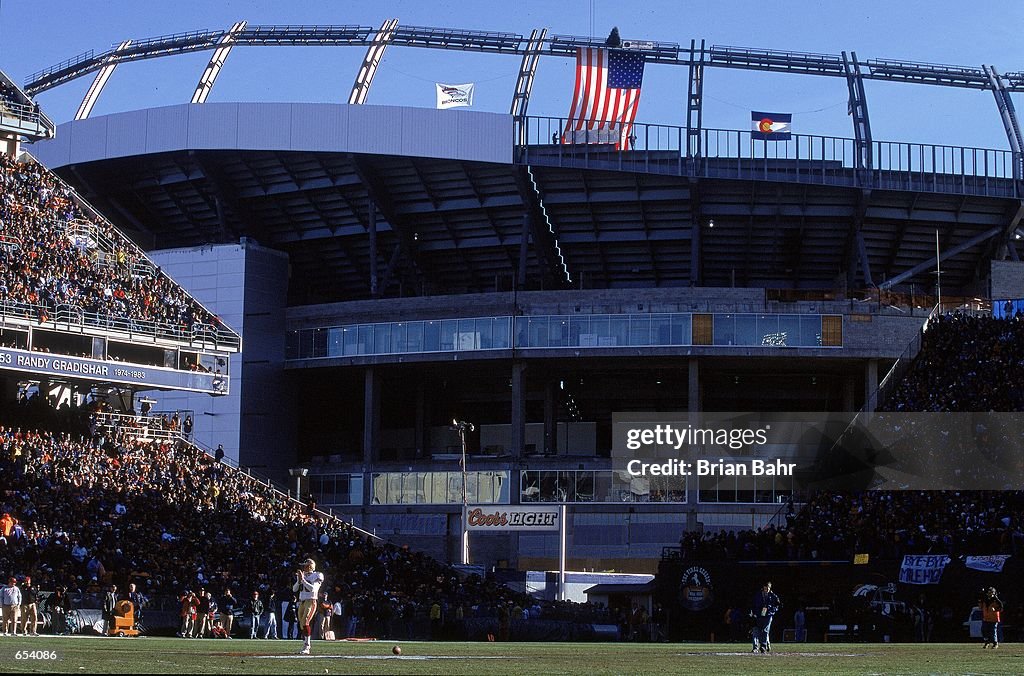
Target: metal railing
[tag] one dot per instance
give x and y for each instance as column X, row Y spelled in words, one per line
column 804, row 158
column 68, row 317
column 140, row 427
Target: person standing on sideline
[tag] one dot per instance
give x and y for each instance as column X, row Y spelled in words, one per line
column 228, row 607
column 10, row 604
column 255, row 610
column 109, row 607
column 291, row 618
column 766, row 603
column 272, row 604
column 29, row 610
column 991, row 612
column 799, row 625
column 307, row 586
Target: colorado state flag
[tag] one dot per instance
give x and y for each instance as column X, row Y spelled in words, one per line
column 771, row 126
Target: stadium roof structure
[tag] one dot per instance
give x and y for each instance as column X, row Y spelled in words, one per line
column 697, row 57
column 471, row 202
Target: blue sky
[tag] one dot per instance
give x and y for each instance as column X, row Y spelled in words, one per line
column 36, row 35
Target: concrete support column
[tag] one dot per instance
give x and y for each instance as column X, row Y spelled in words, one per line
column 420, row 440
column 371, row 417
column 871, row 385
column 693, row 390
column 550, row 423
column 849, row 397
column 518, row 419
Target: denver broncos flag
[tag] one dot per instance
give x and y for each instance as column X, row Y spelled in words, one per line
column 606, row 96
column 771, row 126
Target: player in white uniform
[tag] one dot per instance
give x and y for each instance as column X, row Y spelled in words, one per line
column 307, row 585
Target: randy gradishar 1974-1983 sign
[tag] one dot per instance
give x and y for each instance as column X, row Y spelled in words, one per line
column 500, row 517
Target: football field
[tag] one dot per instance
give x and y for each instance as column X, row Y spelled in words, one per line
column 171, row 655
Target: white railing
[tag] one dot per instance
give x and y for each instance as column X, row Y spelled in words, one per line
column 67, row 316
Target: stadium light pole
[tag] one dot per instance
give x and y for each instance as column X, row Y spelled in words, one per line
column 462, row 426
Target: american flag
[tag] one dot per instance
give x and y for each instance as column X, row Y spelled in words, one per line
column 606, row 97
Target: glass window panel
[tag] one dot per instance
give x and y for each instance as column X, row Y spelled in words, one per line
column 558, row 332
column 398, row 333
column 708, row 489
column 661, row 330
column 454, row 487
column 603, row 489
column 483, row 329
column 548, row 486
column 522, row 329
column 350, row 336
column 639, row 330
column 529, row 486
column 448, row 329
column 319, row 342
column 415, row 337
column 584, row 486
column 789, row 329
column 566, row 487
column 356, row 489
column 381, row 338
column 431, row 336
column 725, row 330
column 810, row 331
column 473, row 487
column 538, row 336
column 745, row 488
column 746, row 330
column 600, row 331
column 768, row 329
column 380, row 489
column 439, row 488
column 727, row 489
column 366, row 339
column 467, row 338
column 578, row 327
column 335, row 341
column 500, row 329
column 681, row 332
column 618, row 332
column 763, row 489
column 291, row 345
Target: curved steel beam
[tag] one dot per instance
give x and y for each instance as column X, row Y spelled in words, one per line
column 858, row 107
column 695, row 99
column 220, row 55
column 99, row 82
column 527, row 71
column 364, row 78
column 1009, row 117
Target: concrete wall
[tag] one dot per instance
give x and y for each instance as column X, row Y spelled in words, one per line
column 1007, row 280
column 319, row 127
column 246, row 285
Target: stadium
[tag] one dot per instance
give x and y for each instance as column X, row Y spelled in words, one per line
column 402, row 341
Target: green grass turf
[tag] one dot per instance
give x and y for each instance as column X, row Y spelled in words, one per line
column 239, row 656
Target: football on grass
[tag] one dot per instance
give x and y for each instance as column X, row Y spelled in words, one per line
column 396, row 650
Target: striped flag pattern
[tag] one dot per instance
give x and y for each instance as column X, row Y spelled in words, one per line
column 606, row 96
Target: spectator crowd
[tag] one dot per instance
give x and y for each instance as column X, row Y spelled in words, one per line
column 967, row 364
column 113, row 508
column 46, row 263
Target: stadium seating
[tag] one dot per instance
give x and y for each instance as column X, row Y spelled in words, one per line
column 967, row 363
column 161, row 512
column 59, row 261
